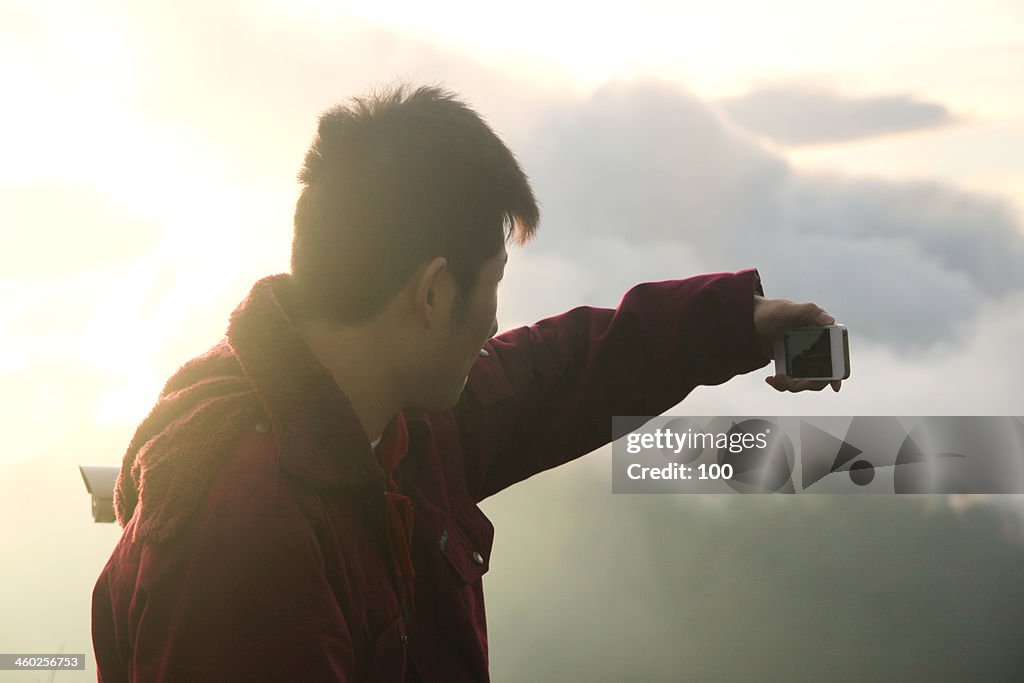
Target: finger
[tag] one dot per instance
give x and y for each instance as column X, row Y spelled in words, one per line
column 787, row 383
column 813, row 314
column 808, row 385
column 794, row 385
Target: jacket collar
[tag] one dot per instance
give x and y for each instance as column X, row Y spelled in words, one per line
column 320, row 439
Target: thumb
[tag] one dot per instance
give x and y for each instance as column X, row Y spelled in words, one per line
column 810, row 314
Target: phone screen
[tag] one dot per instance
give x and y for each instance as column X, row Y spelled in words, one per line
column 809, row 353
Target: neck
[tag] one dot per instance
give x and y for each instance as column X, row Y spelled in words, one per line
column 359, row 360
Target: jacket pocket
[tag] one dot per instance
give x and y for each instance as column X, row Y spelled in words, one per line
column 466, row 544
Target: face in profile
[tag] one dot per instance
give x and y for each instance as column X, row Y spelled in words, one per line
column 460, row 345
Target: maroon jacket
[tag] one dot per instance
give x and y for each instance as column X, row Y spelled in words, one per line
column 256, row 544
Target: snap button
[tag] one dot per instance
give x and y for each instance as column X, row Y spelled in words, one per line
column 478, row 558
column 405, row 639
column 262, row 428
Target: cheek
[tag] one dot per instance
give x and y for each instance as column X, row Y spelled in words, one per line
column 483, row 320
column 492, row 322
column 492, row 315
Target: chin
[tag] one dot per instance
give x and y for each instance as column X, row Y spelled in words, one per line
column 454, row 398
column 457, row 394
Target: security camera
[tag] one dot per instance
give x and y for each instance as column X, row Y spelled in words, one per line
column 100, row 481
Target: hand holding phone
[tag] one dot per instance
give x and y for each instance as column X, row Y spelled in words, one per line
column 773, row 318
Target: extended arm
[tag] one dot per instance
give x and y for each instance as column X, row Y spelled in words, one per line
column 546, row 393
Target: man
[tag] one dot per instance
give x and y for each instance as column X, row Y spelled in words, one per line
column 301, row 503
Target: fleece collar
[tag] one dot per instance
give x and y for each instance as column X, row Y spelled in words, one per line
column 261, row 371
column 320, row 440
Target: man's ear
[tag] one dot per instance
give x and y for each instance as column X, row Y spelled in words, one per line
column 431, row 291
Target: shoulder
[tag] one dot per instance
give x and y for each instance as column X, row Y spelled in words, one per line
column 252, row 484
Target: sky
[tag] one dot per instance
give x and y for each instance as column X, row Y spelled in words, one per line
column 860, row 155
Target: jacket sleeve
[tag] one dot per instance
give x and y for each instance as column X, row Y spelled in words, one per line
column 547, row 393
column 249, row 600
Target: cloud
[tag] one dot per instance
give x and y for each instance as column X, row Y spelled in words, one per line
column 55, row 227
column 250, row 82
column 596, row 272
column 806, row 115
column 905, row 264
column 638, row 181
column 735, row 588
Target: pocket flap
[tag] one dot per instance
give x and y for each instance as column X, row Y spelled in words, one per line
column 467, row 545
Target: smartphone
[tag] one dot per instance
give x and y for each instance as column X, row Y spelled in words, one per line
column 814, row 353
